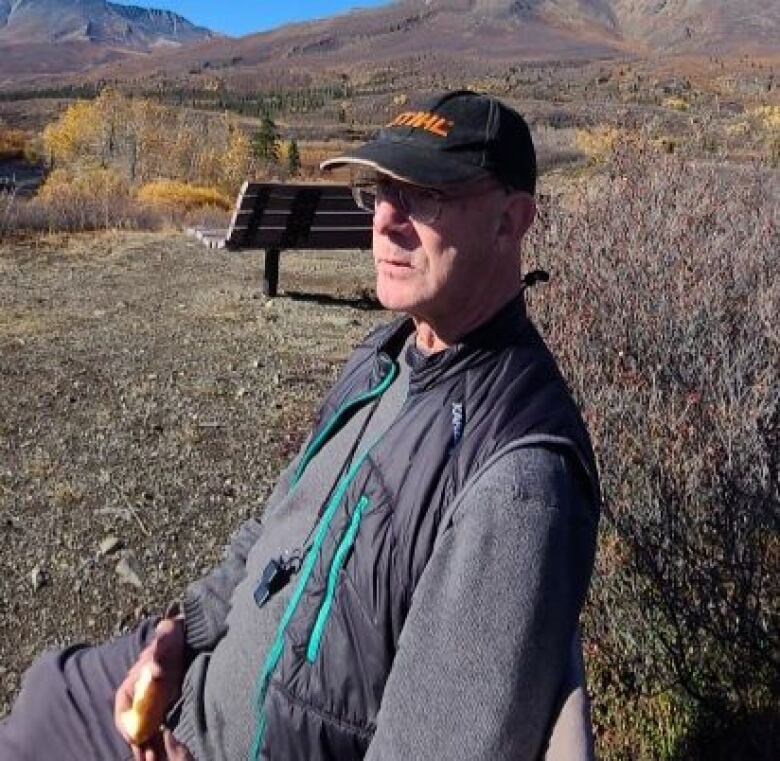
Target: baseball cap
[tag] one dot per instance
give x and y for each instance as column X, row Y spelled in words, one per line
column 452, row 138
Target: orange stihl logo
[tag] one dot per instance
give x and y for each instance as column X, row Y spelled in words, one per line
column 438, row 125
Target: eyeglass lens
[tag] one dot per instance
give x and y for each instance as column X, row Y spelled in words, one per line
column 419, row 204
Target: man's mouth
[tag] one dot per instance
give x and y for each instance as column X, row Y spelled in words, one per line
column 403, row 263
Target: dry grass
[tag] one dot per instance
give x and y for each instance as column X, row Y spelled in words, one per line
column 20, row 217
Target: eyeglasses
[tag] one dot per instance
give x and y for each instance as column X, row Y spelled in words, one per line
column 421, row 204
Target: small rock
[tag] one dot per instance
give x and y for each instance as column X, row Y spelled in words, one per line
column 128, row 570
column 110, row 544
column 38, row 578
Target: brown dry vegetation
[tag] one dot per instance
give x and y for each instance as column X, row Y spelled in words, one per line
column 664, row 307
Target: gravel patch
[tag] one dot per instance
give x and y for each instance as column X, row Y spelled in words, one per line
column 149, row 395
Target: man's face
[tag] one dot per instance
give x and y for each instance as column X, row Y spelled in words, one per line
column 429, row 269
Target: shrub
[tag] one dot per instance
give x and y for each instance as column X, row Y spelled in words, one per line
column 597, row 143
column 94, row 199
column 769, row 115
column 20, row 217
column 676, row 104
column 13, row 144
column 663, row 308
column 92, row 185
column 171, row 195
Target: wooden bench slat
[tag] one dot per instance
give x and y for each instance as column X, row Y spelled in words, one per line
column 280, row 190
column 274, row 218
column 344, row 203
column 318, row 237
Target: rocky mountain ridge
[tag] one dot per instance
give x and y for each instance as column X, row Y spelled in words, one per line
column 35, row 22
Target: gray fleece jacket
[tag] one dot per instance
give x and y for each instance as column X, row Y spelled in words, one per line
column 470, row 681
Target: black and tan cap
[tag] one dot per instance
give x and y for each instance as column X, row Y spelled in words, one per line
column 453, row 138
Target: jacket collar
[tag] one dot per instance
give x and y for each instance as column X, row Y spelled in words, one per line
column 504, row 328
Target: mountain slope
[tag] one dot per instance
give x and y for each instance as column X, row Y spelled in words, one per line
column 30, row 22
column 519, row 29
column 433, row 35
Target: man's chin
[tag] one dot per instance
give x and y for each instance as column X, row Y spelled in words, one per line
column 394, row 298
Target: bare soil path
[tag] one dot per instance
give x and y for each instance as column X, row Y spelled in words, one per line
column 149, row 394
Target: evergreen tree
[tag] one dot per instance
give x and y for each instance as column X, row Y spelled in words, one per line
column 265, row 142
column 293, row 158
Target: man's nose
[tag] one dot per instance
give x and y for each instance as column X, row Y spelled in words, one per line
column 389, row 215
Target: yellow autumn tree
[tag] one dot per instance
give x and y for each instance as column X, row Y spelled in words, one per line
column 73, row 135
column 236, row 159
column 152, row 140
column 144, row 141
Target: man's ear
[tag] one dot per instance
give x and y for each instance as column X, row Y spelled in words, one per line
column 519, row 213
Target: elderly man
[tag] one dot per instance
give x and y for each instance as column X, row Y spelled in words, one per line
column 413, row 587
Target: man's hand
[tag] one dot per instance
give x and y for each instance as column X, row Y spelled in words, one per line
column 165, row 657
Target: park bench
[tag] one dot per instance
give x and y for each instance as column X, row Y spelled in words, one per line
column 276, row 217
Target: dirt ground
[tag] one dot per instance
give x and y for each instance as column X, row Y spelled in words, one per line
column 149, row 394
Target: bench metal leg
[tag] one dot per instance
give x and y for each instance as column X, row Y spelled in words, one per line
column 271, row 271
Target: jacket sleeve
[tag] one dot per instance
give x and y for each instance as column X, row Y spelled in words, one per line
column 485, row 648
column 207, row 601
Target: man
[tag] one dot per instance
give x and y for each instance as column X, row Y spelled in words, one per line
column 413, row 588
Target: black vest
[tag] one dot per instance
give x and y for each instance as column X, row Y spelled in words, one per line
column 319, row 691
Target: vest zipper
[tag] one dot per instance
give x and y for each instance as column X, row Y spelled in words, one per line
column 275, row 653
column 333, row 576
column 336, row 418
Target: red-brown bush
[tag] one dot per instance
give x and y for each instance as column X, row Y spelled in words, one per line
column 664, row 307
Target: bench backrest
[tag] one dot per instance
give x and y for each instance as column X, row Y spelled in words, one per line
column 280, row 216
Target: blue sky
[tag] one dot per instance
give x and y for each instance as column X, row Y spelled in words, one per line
column 239, row 17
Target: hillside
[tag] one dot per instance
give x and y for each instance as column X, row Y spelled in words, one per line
column 427, row 35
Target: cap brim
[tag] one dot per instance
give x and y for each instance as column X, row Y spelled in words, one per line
column 408, row 163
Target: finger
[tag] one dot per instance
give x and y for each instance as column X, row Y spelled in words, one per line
column 168, row 639
column 174, row 749
column 123, row 700
column 171, row 745
column 156, row 668
column 154, row 748
column 166, row 626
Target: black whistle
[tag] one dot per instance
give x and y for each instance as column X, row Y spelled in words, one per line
column 274, row 577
